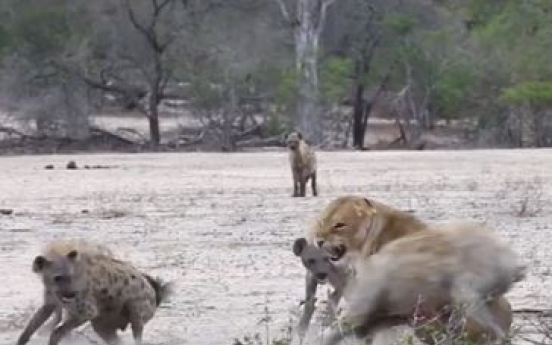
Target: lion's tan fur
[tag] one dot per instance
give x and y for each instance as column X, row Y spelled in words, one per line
column 315, row 260
column 427, row 271
column 364, row 225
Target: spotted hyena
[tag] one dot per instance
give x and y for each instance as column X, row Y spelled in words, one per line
column 89, row 284
column 303, row 164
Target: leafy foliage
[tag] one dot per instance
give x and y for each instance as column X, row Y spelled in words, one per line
column 536, row 93
column 335, row 78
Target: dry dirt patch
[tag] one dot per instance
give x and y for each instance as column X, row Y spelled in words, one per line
column 222, row 225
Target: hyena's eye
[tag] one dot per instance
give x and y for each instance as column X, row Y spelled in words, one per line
column 310, row 262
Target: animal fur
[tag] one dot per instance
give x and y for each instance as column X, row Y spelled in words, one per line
column 445, row 266
column 315, row 260
column 352, row 227
column 303, row 164
column 90, row 284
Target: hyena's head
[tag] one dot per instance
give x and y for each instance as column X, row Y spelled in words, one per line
column 315, row 260
column 294, row 140
column 61, row 274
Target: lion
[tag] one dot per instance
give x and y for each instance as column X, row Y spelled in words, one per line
column 345, row 226
column 428, row 271
column 316, row 261
column 354, row 228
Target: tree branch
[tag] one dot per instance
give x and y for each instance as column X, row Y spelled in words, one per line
column 284, row 11
column 134, row 21
column 322, row 16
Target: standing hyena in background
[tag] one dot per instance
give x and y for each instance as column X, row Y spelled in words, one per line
column 90, row 285
column 303, row 164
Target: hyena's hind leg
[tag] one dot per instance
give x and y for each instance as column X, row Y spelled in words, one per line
column 106, row 329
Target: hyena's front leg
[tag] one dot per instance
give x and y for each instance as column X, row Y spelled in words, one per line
column 303, row 185
column 296, row 179
column 58, row 316
column 38, row 320
column 311, row 285
column 67, row 326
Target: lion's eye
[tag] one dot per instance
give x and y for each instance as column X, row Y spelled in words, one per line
column 339, row 225
column 310, row 262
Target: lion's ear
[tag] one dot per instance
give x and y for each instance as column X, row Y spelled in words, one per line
column 371, row 206
column 299, row 245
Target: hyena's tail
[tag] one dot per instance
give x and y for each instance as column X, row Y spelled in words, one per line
column 162, row 289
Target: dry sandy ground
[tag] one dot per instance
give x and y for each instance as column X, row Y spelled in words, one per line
column 222, row 225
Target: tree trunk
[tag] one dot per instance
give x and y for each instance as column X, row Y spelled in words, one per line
column 358, row 117
column 153, row 118
column 154, row 130
column 311, row 15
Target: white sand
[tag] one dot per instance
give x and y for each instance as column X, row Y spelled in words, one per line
column 222, row 225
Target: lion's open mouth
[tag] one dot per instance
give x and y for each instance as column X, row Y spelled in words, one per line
column 337, row 252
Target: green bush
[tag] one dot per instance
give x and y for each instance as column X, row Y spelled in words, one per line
column 533, row 93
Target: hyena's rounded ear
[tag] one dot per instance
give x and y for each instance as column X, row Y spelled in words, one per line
column 300, row 135
column 299, row 245
column 72, row 255
column 39, row 263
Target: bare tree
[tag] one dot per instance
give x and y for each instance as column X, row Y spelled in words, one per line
column 133, row 54
column 307, row 22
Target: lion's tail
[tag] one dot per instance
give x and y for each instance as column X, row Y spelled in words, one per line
column 162, row 289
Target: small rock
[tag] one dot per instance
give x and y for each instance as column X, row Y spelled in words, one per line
column 72, row 165
column 49, row 167
column 6, row 211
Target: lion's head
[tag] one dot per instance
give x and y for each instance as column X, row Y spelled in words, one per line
column 358, row 225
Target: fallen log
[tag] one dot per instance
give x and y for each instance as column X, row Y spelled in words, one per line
column 260, row 142
column 13, row 131
column 96, row 131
